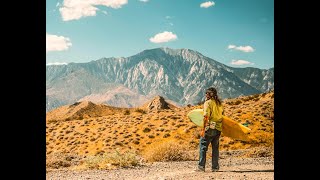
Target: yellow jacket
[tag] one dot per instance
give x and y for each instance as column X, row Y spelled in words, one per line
column 214, row 112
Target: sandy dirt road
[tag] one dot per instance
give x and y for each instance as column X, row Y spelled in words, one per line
column 230, row 168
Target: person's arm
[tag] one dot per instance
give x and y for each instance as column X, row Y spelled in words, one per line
column 206, row 112
column 205, row 123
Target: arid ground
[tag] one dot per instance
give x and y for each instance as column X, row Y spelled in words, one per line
column 155, row 141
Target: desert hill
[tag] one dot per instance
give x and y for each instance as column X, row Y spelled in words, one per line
column 86, row 129
column 158, row 103
column 80, row 110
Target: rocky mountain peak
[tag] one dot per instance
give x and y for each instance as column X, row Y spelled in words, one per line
column 178, row 75
column 158, row 103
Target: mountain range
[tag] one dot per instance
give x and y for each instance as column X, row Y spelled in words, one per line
column 179, row 75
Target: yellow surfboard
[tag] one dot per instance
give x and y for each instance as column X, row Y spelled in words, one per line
column 230, row 128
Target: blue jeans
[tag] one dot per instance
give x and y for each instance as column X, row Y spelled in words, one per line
column 211, row 136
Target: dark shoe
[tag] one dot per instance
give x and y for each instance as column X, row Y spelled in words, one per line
column 199, row 169
column 214, row 170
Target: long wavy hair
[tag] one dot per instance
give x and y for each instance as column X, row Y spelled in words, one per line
column 213, row 94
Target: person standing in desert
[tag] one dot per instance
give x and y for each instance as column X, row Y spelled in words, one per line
column 210, row 134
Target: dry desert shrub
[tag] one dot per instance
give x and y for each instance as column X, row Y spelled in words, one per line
column 61, row 160
column 145, row 130
column 166, row 135
column 262, row 138
column 141, row 111
column 126, row 159
column 126, row 112
column 56, row 161
column 151, row 136
column 237, row 102
column 52, row 121
column 175, row 117
column 260, row 152
column 168, row 151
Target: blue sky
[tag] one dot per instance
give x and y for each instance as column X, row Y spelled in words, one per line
column 238, row 33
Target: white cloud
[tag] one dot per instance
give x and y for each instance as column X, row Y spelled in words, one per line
column 57, row 63
column 163, row 37
column 171, row 24
column 57, row 4
column 240, row 62
column 241, row 48
column 76, row 9
column 231, row 46
column 168, row 17
column 143, row 0
column 105, row 12
column 207, row 4
column 57, row 43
